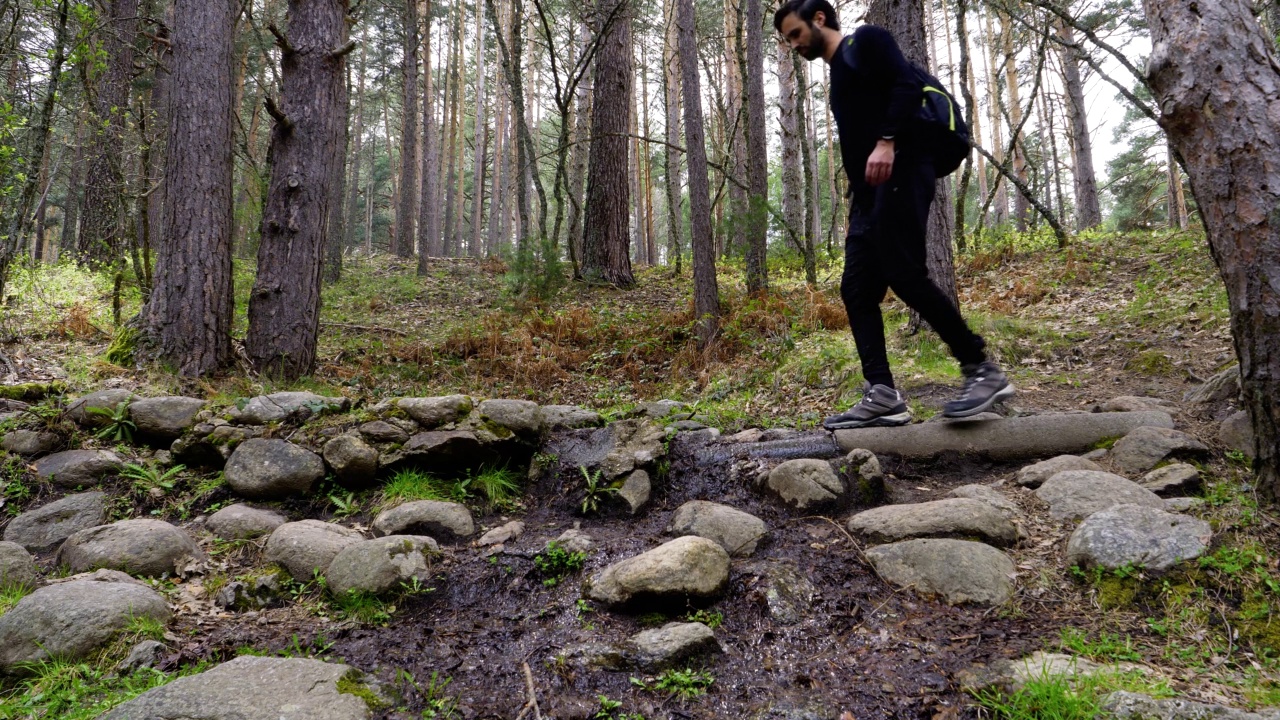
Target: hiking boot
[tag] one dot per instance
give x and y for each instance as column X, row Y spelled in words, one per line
column 985, row 384
column 881, row 406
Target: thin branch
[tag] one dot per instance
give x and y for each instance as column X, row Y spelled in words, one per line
column 277, row 114
column 281, row 40
column 343, row 51
column 1047, row 214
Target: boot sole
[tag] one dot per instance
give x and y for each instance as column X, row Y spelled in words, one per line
column 1003, row 393
column 882, row 421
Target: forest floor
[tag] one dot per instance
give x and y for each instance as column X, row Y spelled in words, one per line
column 1112, row 315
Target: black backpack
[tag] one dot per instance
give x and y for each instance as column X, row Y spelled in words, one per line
column 939, row 123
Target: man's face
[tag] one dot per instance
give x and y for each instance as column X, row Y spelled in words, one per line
column 804, row 37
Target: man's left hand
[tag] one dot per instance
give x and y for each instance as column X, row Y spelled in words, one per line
column 880, row 164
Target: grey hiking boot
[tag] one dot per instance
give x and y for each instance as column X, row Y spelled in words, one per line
column 880, row 406
column 985, row 384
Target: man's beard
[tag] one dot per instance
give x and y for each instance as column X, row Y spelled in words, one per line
column 817, row 44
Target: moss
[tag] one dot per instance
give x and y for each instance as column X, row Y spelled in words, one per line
column 1106, row 443
column 1115, row 592
column 122, row 347
column 352, row 684
column 1151, row 362
column 32, row 392
column 499, row 431
column 1257, row 625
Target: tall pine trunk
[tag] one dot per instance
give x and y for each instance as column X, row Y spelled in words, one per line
column 1088, row 207
column 671, row 156
column 706, row 292
column 481, row 140
column 406, row 208
column 756, row 231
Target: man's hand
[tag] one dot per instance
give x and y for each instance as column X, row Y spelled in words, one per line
column 880, row 164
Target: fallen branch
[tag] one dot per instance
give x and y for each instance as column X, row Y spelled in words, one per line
column 532, row 693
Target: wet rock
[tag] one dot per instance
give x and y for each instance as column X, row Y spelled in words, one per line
column 1236, row 432
column 352, row 460
column 1172, row 480
column 1033, row 476
column 251, row 688
column 990, row 496
column 241, row 522
column 256, row 593
column 1125, row 705
column 523, row 418
column 863, row 477
column 308, row 546
column 441, row 450
column 1146, row 447
column 794, row 710
column 503, row 534
column 433, row 412
column 165, row 417
column 1223, row 386
column 957, row 571
column 380, row 431
column 272, row 469
column 670, row 644
column 276, row 407
column 1131, row 403
column 71, row 620
column 659, row 409
column 30, row 443
column 806, row 484
column 17, row 567
column 195, row 451
column 636, row 444
column 77, row 468
column 83, row 411
column 684, row 569
column 570, row 417
column 1077, row 494
column 46, row 527
column 141, row 547
column 635, row 490
column 1134, row 535
column 954, row 518
column 574, row 540
column 736, row 531
column 143, row 655
column 1012, row 675
column 444, row 521
column 788, row 592
column 382, row 564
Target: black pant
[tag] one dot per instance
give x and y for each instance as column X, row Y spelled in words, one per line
column 885, row 249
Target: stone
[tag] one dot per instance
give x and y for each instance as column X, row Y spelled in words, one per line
column 1077, row 494
column 433, row 412
column 143, row 655
column 352, row 460
column 252, row 688
column 442, row 450
column 682, row 570
column 1010, row 676
column 165, row 418
column 101, row 575
column 80, row 411
column 670, row 644
column 72, row 620
column 736, row 531
column 380, row 431
column 441, row 520
column 1006, row 439
column 1225, row 385
column 522, row 417
column 863, row 477
column 77, row 468
column 1033, row 476
column 256, row 593
column 1183, row 504
column 30, row 443
column 241, row 522
column 306, row 547
column 46, row 527
column 1095, row 455
column 954, row 518
column 635, row 490
column 266, row 409
column 1236, row 432
column 806, row 484
column 1170, row 480
column 17, row 567
column 788, row 592
column 382, row 564
column 502, row 534
column 272, row 469
column 570, row 417
column 659, row 409
column 574, row 540
column 1146, row 447
column 957, row 571
column 145, row 547
column 1131, row 403
column 1138, row 536
column 990, row 496
column 636, row 444
column 1125, row 705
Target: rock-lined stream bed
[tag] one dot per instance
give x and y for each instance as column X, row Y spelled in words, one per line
column 766, row 573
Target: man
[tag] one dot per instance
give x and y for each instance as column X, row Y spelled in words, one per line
column 875, row 98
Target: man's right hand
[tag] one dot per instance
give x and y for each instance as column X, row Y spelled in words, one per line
column 880, row 164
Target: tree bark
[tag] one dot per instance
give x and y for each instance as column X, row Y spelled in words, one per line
column 429, row 205
column 406, row 209
column 793, row 211
column 284, row 308
column 192, row 304
column 706, row 293
column 481, row 139
column 756, row 231
column 1021, row 208
column 337, row 232
column 671, row 155
column 809, row 216
column 357, row 147
column 578, row 167
column 1088, row 207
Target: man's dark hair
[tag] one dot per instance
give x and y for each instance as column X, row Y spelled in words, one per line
column 806, row 9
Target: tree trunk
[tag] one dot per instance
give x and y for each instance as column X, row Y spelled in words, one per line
column 706, row 293
column 406, row 209
column 809, row 216
column 671, row 156
column 1021, row 207
column 605, row 257
column 756, row 231
column 1088, row 207
column 578, row 168
column 481, row 139
column 793, row 211
column 647, row 180
column 429, row 205
column 191, row 307
column 284, row 308
column 1214, row 73
column 1000, row 193
column 334, row 238
column 357, row 147
column 1177, row 198
column 71, row 205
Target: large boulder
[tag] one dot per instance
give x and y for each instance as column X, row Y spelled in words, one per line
column 1172, row 480
column 442, row 451
column 352, row 460
column 46, row 527
column 1146, row 447
column 1033, row 476
column 241, row 522
column 736, row 531
column 30, row 443
column 266, row 409
column 523, row 418
column 1139, row 536
column 382, row 564
column 614, row 450
column 71, row 620
column 272, row 469
column 1236, row 433
column 806, row 484
column 682, row 570
column 441, row 520
column 306, row 547
column 17, row 567
column 1225, row 385
column 165, row 418
column 433, row 412
column 990, row 496
column 670, row 644
column 85, row 410
column 141, row 547
column 252, row 688
column 570, row 417
column 1077, row 494
column 954, row 517
column 381, row 431
column 77, row 468
column 957, row 571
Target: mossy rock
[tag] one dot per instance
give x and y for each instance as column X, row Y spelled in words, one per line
column 353, row 683
column 32, row 392
column 123, row 346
